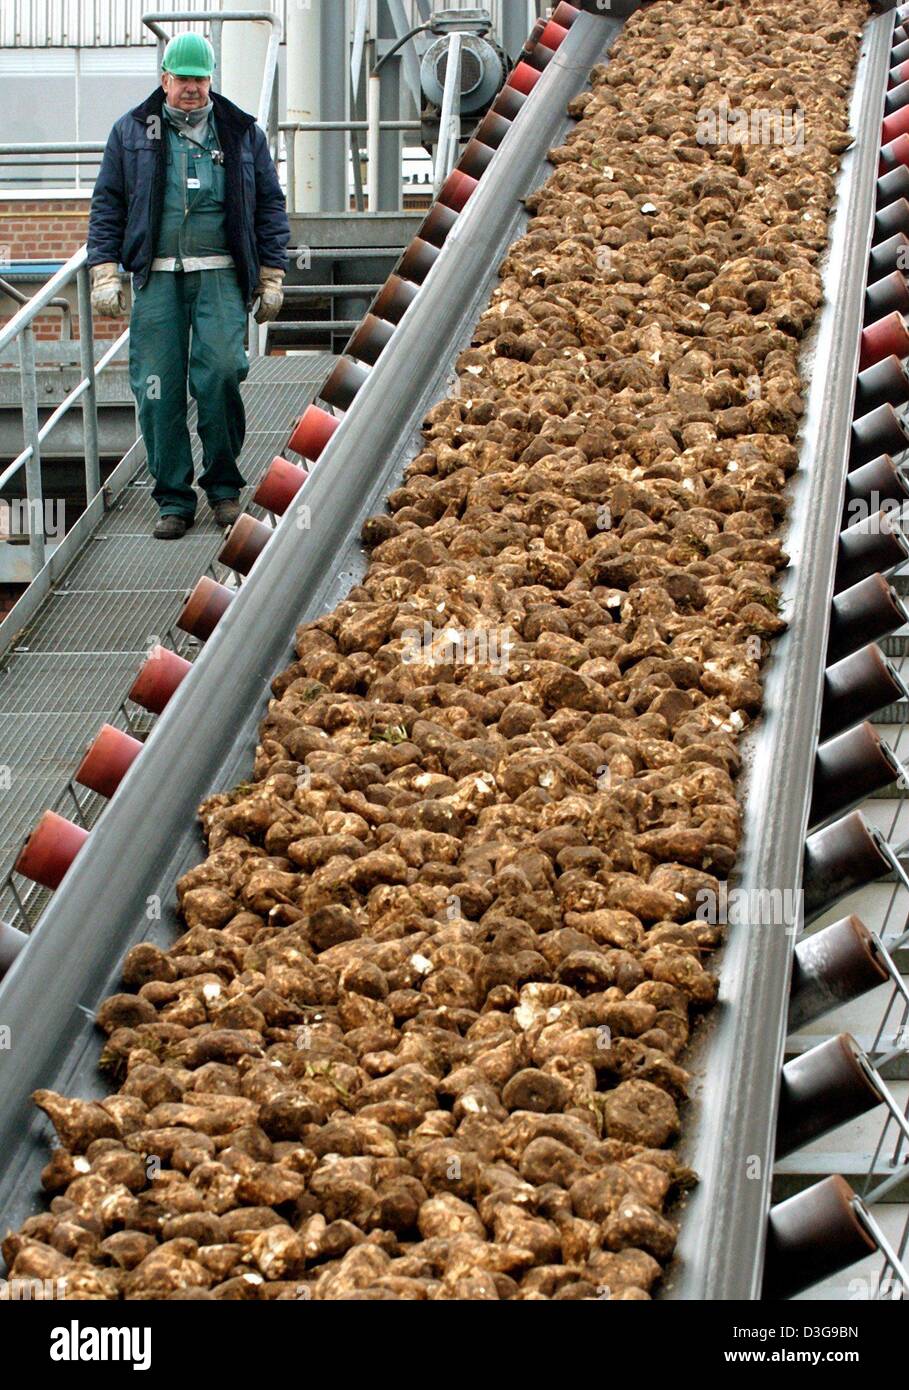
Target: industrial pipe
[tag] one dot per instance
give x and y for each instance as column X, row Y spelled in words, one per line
column 893, row 185
column 885, row 383
column 477, row 157
column 890, row 255
column 877, row 484
column 875, row 545
column 312, row 432
column 523, row 78
column 889, row 336
column 341, row 387
column 418, row 260
column 367, row 344
column 897, row 97
column 395, row 298
column 493, row 128
column 894, row 154
column 509, row 103
column 373, row 138
column 12, row 941
column 439, row 221
column 565, row 14
column 457, row 189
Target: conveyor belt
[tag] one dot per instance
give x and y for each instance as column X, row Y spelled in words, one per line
column 69, row 671
column 207, row 735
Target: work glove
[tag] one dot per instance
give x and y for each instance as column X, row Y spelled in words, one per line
column 108, row 295
column 270, row 290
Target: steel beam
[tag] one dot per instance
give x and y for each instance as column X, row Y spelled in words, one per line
column 390, row 142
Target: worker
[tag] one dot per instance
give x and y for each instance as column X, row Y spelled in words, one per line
column 188, row 200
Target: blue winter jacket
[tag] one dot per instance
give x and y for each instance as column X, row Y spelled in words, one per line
column 129, row 193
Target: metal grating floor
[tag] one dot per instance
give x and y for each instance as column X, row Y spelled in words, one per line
column 70, row 670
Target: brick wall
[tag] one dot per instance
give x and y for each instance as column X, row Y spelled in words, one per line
column 9, row 594
column 48, row 229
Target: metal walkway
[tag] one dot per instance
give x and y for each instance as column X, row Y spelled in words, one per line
column 68, row 672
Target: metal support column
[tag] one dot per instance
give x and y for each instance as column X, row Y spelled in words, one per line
column 303, row 103
column 333, row 107
column 29, row 383
column 450, row 118
column 90, row 398
column 243, row 52
column 390, row 148
column 516, row 25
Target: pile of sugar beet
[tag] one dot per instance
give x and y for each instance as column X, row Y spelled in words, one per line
column 424, row 1034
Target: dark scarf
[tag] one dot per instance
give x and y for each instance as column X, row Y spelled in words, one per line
column 192, row 124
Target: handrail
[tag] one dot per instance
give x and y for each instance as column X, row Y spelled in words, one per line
column 70, row 399
column 76, row 155
column 292, row 128
column 42, row 299
column 62, row 304
column 344, row 125
column 54, row 147
column 20, row 327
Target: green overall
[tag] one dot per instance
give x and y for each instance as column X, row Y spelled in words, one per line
column 190, row 323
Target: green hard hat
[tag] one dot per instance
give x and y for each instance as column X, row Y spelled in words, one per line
column 189, row 55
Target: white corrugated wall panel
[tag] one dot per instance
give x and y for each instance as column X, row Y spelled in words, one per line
column 92, row 23
column 117, row 23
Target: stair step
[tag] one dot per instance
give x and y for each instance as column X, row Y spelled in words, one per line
column 894, row 714
column 292, row 292
column 895, row 1070
column 892, row 791
column 313, row 326
column 800, row 1170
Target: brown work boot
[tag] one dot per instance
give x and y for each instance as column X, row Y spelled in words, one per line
column 172, row 528
column 226, row 512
